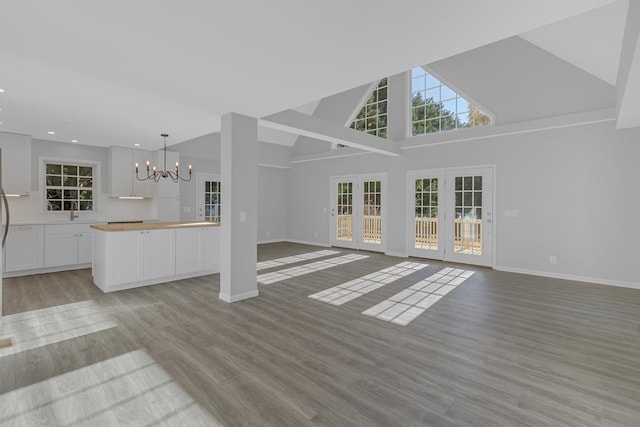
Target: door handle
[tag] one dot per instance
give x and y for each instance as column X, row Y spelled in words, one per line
column 6, row 226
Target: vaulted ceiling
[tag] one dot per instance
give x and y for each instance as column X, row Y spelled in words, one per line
column 119, row 72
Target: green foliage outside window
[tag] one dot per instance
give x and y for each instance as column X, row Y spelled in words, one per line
column 372, row 118
column 68, row 187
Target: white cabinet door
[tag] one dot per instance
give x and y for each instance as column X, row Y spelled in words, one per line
column 120, row 166
column 197, row 249
column 188, row 250
column 67, row 244
column 142, row 188
column 25, row 248
column 61, row 249
column 210, row 248
column 84, row 247
column 16, row 163
column 158, row 254
column 122, row 174
column 123, row 256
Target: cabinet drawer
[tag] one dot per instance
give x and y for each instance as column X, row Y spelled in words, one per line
column 67, row 228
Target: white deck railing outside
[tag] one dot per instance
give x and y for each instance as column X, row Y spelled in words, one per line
column 467, row 236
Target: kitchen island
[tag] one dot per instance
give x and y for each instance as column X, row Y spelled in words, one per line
column 139, row 254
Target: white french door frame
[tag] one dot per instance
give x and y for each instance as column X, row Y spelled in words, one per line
column 201, row 178
column 412, row 175
column 358, row 181
column 443, row 247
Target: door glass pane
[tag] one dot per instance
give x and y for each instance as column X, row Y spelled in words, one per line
column 212, row 201
column 426, row 219
column 372, row 209
column 468, row 215
column 344, row 214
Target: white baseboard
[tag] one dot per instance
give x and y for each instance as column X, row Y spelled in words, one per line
column 239, row 297
column 396, row 254
column 45, row 270
column 569, row 277
column 261, row 242
column 157, row 281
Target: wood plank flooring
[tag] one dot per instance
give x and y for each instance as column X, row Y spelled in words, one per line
column 501, row 349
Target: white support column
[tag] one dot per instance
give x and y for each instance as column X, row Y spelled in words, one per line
column 398, row 94
column 239, row 225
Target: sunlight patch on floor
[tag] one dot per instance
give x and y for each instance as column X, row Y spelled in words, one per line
column 278, row 262
column 37, row 328
column 130, row 389
column 353, row 289
column 301, row 270
column 403, row 307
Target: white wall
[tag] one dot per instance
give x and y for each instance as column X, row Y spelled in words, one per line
column 575, row 190
column 204, row 154
column 272, row 203
column 31, row 208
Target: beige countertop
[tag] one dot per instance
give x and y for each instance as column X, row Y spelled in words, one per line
column 152, row 226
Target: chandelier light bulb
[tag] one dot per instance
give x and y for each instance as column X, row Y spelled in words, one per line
column 156, row 174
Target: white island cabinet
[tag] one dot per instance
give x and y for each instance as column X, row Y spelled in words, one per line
column 198, row 249
column 132, row 255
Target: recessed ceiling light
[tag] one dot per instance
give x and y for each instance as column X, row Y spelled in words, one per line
column 1, row 90
column 74, row 140
column 51, row 133
column 136, row 145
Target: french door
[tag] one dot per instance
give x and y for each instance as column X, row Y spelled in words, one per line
column 450, row 214
column 208, row 197
column 358, row 212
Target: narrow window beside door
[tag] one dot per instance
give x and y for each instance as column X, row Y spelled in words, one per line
column 372, row 217
column 468, row 219
column 344, row 229
column 426, row 217
column 212, row 201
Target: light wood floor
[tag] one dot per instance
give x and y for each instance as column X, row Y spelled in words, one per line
column 500, row 349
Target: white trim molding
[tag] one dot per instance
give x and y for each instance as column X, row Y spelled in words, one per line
column 397, row 254
column 606, row 282
column 239, row 297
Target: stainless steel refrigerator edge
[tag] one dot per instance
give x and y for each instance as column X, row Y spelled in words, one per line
column 5, row 222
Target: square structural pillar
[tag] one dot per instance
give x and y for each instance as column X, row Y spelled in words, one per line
column 239, row 222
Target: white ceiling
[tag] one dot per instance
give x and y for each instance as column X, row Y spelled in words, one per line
column 119, row 72
column 591, row 41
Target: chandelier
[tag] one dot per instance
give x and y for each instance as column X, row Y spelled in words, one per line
column 155, row 175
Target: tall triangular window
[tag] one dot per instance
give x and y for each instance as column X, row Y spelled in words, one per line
column 436, row 107
column 372, row 118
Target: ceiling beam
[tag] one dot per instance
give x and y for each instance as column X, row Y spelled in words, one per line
column 303, row 124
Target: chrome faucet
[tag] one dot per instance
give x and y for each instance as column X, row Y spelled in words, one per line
column 73, row 215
